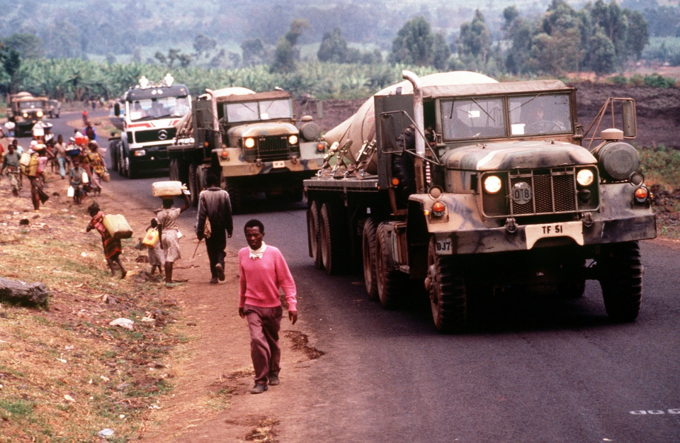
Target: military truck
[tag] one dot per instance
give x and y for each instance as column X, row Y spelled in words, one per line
column 474, row 188
column 25, row 110
column 250, row 141
column 147, row 115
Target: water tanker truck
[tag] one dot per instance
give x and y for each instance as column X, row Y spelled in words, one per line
column 467, row 187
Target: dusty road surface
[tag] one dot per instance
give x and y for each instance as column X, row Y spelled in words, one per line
column 529, row 370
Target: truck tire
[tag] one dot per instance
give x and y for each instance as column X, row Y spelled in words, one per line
column 369, row 253
column 234, row 196
column 193, row 185
column 446, row 287
column 113, row 148
column 173, row 171
column 121, row 160
column 130, row 169
column 313, row 234
column 620, row 273
column 390, row 282
column 333, row 243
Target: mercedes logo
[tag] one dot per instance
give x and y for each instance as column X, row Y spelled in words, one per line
column 162, row 134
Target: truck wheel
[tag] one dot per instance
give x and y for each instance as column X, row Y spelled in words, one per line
column 121, row 162
column 620, row 274
column 234, row 196
column 446, row 287
column 390, row 282
column 113, row 147
column 369, row 253
column 173, row 171
column 193, row 185
column 130, row 170
column 333, row 243
column 313, row 234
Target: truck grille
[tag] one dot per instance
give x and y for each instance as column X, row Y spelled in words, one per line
column 553, row 191
column 273, row 148
column 155, row 135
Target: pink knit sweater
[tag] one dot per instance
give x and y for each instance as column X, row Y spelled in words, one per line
column 261, row 279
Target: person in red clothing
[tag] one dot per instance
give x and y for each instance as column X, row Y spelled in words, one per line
column 262, row 271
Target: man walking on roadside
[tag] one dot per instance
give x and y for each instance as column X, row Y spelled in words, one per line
column 215, row 224
column 262, row 271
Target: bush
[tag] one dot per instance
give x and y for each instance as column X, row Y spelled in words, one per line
column 657, row 81
column 661, row 166
column 618, row 79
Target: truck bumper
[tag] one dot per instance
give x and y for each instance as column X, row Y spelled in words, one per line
column 526, row 237
column 155, row 157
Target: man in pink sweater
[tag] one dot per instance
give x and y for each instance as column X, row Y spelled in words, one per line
column 262, row 271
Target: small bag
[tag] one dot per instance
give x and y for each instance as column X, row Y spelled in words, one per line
column 85, row 178
column 151, row 238
column 105, row 176
column 70, row 192
column 117, row 226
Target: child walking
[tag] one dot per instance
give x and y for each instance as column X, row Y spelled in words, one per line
column 156, row 256
column 112, row 246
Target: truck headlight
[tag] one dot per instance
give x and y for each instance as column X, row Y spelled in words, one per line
column 25, row 114
column 139, row 153
column 39, row 113
column 249, row 143
column 293, row 139
column 492, row 184
column 585, row 177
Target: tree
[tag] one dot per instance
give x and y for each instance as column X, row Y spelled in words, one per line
column 441, row 52
column 204, row 45
column 602, row 54
column 11, row 62
column 28, row 45
column 333, row 47
column 174, row 55
column 474, row 39
column 638, row 34
column 286, row 54
column 253, row 51
column 414, row 43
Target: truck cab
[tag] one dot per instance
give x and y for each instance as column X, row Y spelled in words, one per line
column 26, row 110
column 147, row 115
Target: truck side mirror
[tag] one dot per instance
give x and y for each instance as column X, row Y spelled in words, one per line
column 629, row 119
column 116, row 109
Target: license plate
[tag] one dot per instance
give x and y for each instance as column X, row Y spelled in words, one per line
column 279, row 164
column 573, row 230
column 443, row 247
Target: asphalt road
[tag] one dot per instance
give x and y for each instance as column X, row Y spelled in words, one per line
column 530, row 370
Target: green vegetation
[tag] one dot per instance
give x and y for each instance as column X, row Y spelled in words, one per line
column 661, row 167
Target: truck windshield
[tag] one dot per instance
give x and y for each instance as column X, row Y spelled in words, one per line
column 163, row 107
column 473, row 118
column 255, row 111
column 31, row 104
column 540, row 114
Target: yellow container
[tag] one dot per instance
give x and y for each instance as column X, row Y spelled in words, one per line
column 117, row 226
column 151, row 238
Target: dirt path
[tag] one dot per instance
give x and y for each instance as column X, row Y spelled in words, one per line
column 212, row 371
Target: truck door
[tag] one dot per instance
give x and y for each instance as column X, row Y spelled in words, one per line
column 204, row 131
column 393, row 114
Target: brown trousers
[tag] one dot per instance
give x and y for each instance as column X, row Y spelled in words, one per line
column 264, row 325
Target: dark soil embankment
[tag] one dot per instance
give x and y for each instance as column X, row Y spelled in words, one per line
column 658, row 110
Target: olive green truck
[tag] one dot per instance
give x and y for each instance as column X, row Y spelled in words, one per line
column 469, row 187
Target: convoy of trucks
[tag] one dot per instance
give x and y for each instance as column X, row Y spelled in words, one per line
column 471, row 188
column 147, row 115
column 250, row 141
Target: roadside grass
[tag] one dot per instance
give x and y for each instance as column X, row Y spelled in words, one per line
column 65, row 373
column 661, row 167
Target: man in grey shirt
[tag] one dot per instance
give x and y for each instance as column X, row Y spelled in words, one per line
column 214, row 208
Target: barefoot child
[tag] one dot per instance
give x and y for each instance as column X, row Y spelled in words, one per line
column 156, row 256
column 112, row 246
